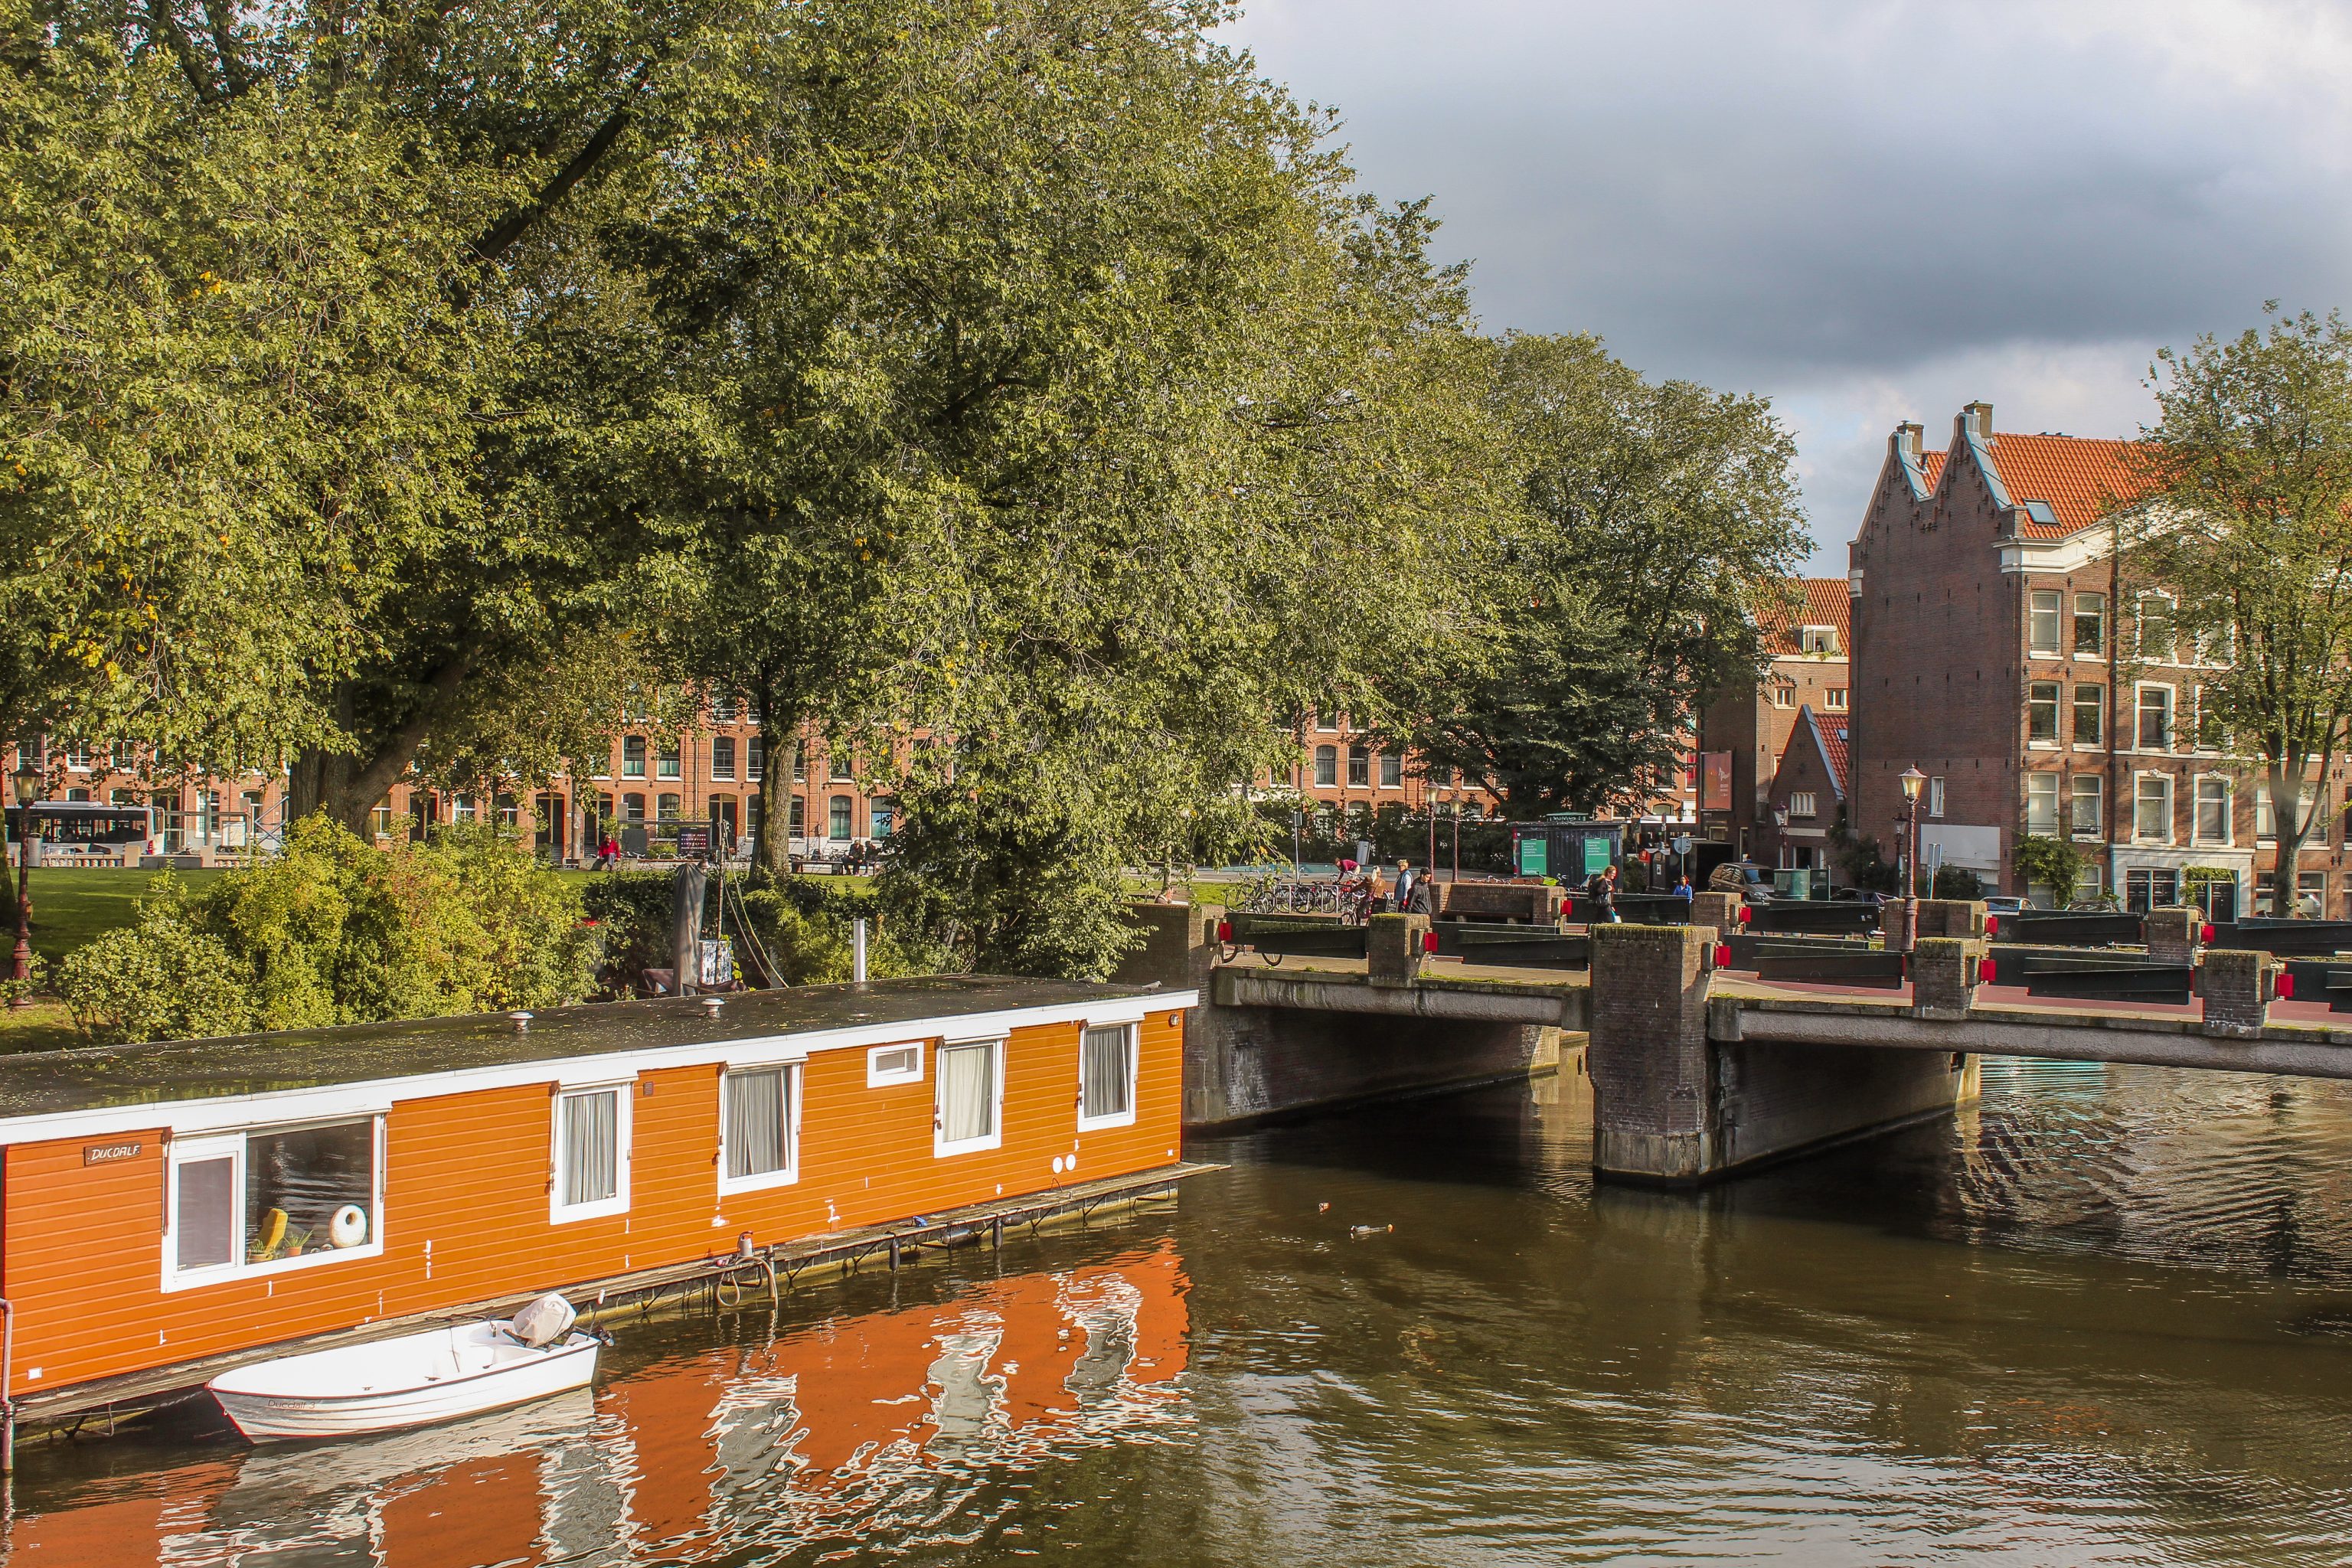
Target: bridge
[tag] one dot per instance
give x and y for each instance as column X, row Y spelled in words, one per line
column 1701, row 1067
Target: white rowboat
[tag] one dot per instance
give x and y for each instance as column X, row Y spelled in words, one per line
column 437, row 1375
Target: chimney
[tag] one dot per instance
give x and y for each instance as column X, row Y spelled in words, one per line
column 1980, row 420
column 1905, row 443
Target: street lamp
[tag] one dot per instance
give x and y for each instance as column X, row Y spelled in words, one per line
column 20, row 969
column 1912, row 779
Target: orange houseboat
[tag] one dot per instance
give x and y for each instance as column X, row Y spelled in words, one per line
column 180, row 1203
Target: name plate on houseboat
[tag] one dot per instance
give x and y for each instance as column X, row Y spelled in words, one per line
column 108, row 1153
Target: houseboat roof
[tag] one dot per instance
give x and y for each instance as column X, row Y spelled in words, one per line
column 488, row 1048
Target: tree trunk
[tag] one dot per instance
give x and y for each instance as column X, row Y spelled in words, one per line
column 346, row 785
column 2288, row 828
column 771, row 848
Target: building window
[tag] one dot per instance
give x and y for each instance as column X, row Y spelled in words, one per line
column 633, row 756
column 2155, row 718
column 2086, row 791
column 633, row 809
column 800, row 760
column 669, row 765
column 2155, row 637
column 592, row 1138
column 2090, row 626
column 880, row 815
column 2266, row 816
column 760, row 1127
column 1107, row 1077
column 461, row 808
column 1326, row 765
column 888, row 1065
column 1818, row 639
column 1936, row 796
column 2090, row 715
column 722, row 709
column 1359, row 766
column 796, row 823
column 837, row 823
column 1803, row 802
column 837, row 767
column 667, row 808
column 755, row 757
column 969, row 1097
column 2043, row 610
column 1784, row 692
column 2151, row 889
column 273, row 1199
column 2041, row 805
column 722, row 756
column 2042, row 713
column 2212, row 735
column 1440, row 776
column 2152, row 809
column 1391, row 770
column 1834, row 698
column 2212, row 824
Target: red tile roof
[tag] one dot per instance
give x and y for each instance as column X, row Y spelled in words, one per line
column 1832, row 736
column 1931, row 464
column 1823, row 602
column 2077, row 476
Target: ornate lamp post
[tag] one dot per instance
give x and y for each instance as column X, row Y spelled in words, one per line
column 28, row 784
column 1911, row 780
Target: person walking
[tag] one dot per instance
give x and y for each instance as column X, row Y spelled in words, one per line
column 1408, row 888
column 1601, row 892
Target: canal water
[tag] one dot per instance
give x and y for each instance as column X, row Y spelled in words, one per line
column 2105, row 1318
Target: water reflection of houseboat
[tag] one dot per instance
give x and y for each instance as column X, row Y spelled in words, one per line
column 826, row 1431
column 170, row 1208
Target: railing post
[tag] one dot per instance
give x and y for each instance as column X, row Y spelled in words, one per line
column 2237, row 988
column 1944, row 972
column 1393, row 949
column 2172, row 935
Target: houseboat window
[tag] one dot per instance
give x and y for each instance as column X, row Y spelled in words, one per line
column 309, row 1190
column 888, row 1065
column 205, row 1212
column 588, row 1137
column 1107, row 1076
column 759, row 1126
column 968, row 1097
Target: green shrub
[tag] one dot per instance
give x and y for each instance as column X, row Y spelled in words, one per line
column 1957, row 882
column 37, row 977
column 333, row 931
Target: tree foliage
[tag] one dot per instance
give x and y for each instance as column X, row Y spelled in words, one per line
column 1655, row 523
column 2247, row 522
column 335, row 931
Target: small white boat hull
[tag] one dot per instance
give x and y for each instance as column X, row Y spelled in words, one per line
column 413, row 1381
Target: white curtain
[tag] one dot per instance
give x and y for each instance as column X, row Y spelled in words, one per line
column 758, row 1114
column 1109, row 1084
column 592, row 1146
column 967, row 1092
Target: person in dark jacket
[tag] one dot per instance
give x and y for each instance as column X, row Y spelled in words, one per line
column 1601, row 892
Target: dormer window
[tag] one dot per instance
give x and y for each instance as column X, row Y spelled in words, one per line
column 1818, row 639
column 2041, row 512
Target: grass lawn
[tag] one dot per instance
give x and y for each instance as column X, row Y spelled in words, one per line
column 69, row 907
column 43, row 1027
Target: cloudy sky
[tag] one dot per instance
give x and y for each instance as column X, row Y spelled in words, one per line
column 1869, row 210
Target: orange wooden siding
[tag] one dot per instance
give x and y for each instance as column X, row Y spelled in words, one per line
column 464, row 1212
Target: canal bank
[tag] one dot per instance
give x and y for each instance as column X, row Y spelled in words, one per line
column 2105, row 1316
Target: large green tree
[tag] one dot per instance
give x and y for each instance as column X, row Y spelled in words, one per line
column 2247, row 521
column 1655, row 521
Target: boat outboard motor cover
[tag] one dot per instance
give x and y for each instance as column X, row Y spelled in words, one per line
column 542, row 1322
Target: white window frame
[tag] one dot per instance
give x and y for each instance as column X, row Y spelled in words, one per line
column 2099, row 793
column 2197, row 812
column 2172, row 714
column 1936, row 796
column 994, row 1139
column 2139, row 627
column 2075, row 627
column 2058, row 801
column 1834, row 698
column 2172, row 808
column 1804, row 802
column 2074, row 690
column 2057, row 642
column 207, row 1146
column 2058, row 715
column 791, row 1172
column 624, row 1135
column 878, row 1077
column 1134, row 1076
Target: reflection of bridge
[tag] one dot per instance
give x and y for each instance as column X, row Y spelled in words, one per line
column 1696, row 1071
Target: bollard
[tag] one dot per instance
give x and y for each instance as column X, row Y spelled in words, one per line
column 2236, row 984
column 1394, row 949
column 1944, row 974
column 2172, row 935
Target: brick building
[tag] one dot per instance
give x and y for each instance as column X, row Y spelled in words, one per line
column 1749, row 728
column 1805, row 796
column 1999, row 648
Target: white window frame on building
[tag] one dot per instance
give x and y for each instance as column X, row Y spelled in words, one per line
column 2142, row 798
column 2090, row 736
column 2046, row 610
column 2093, row 608
column 2213, row 805
column 2042, row 703
column 2075, row 796
column 896, row 1063
column 1804, row 802
column 2168, row 709
column 2041, row 804
column 1093, row 1040
column 1327, row 767
column 1834, row 698
column 944, row 1147
column 1391, row 770
column 561, row 1209
column 1936, row 796
column 2164, row 623
column 723, row 758
column 784, row 1076
column 1818, row 639
column 208, row 1148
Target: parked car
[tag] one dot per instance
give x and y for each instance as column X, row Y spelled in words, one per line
column 2003, row 904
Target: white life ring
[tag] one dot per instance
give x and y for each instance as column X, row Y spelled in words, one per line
column 348, row 1227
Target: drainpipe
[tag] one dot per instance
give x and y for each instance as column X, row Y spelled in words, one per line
column 8, row 1386
column 2115, row 630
